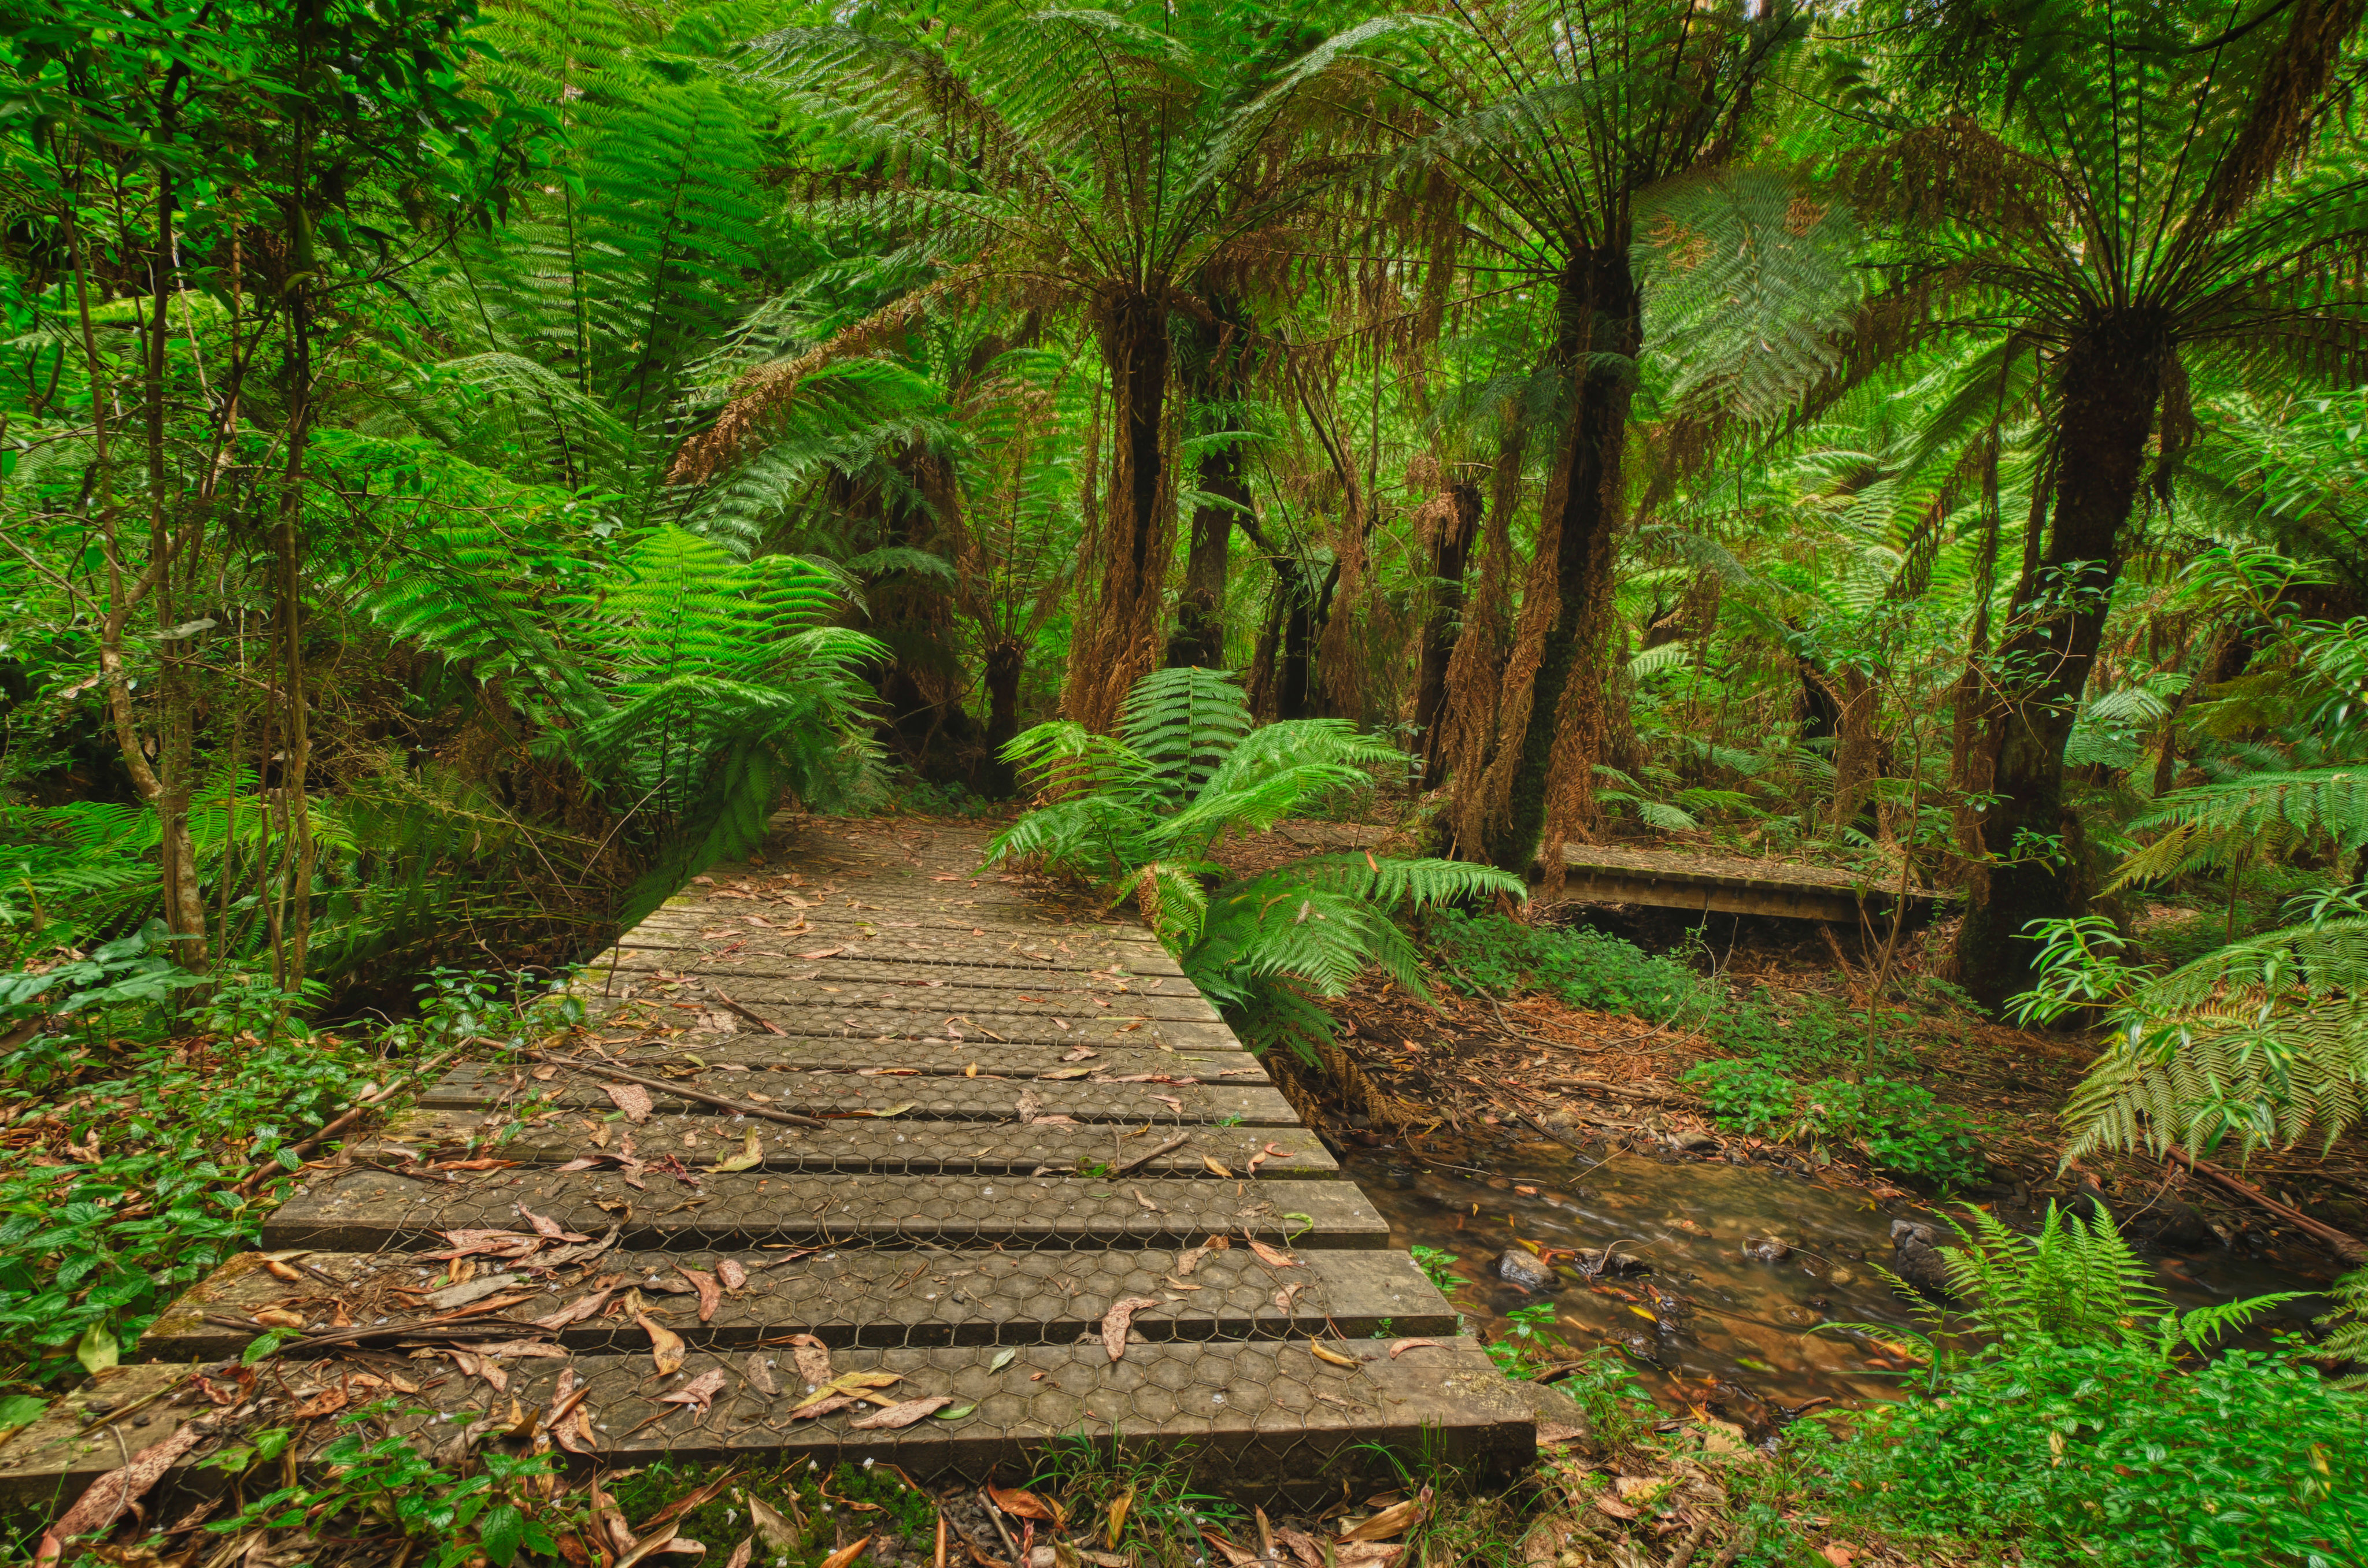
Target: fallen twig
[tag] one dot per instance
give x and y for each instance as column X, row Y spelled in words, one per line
column 1618, row 1091
column 788, row 1118
column 265, row 1170
column 729, row 1005
column 2347, row 1246
column 1150, row 1154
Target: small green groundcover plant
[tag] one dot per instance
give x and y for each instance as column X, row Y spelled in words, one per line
column 1491, row 954
column 1141, row 813
column 2088, row 1424
column 1899, row 1127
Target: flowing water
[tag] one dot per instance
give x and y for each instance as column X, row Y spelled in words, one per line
column 1708, row 1326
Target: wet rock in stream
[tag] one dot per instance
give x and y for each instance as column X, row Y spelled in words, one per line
column 1521, row 1268
column 1765, row 1249
column 1915, row 1259
column 1596, row 1262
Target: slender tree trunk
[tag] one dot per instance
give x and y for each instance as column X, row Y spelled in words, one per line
column 2109, row 382
column 1552, row 749
column 1004, row 661
column 1455, row 528
column 1116, row 645
column 1212, row 376
column 184, row 902
column 1854, row 759
column 1310, row 606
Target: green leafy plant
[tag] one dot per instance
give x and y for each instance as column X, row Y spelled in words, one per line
column 1899, row 1126
column 1491, row 953
column 2105, row 1452
column 1140, row 810
column 495, row 1512
column 1533, row 1341
column 1438, row 1267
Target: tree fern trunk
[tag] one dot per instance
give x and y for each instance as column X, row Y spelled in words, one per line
column 1457, row 527
column 1116, row 643
column 1213, row 380
column 2108, row 386
column 1599, row 306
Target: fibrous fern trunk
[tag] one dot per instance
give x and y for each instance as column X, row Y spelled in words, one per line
column 1213, row 377
column 2109, row 384
column 1552, row 722
column 1116, row 645
column 1455, row 526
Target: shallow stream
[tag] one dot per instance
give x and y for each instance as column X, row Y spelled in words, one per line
column 1708, row 1326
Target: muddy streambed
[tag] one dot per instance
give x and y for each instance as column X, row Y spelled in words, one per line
column 1719, row 1319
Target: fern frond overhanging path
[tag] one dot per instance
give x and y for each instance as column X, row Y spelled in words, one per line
column 1031, row 1118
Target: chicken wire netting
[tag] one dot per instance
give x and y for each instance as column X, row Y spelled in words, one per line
column 860, row 1155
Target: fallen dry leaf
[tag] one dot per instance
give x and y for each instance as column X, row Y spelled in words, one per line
column 697, row 1394
column 578, row 1309
column 107, row 1497
column 1154, row 1207
column 1403, row 1346
column 759, row 1375
column 710, row 1296
column 1396, row 1519
column 1215, row 1168
column 630, row 1098
column 666, row 1345
column 1021, row 1503
column 1269, row 1256
column 740, row 1553
column 1368, row 1553
column 1837, row 1554
column 1326, row 1353
column 1612, row 1506
column 1559, row 1432
column 734, row 1278
column 825, row 1405
column 1115, row 1320
column 901, row 1414
column 845, row 1554
column 1190, row 1259
column 813, row 1359
column 1282, row 1297
column 773, row 1527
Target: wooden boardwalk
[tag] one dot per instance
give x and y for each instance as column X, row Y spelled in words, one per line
column 1697, row 882
column 1027, row 1129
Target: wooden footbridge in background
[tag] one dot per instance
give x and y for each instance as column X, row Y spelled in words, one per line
column 1700, row 882
column 865, row 1156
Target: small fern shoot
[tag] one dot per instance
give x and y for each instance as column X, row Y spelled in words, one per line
column 1142, row 811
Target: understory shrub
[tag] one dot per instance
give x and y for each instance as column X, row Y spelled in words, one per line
column 2112, row 1454
column 1899, row 1126
column 1491, row 953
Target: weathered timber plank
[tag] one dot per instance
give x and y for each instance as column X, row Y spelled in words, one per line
column 931, row 1098
column 860, row 1144
column 852, row 1297
column 1266, row 1415
column 728, row 1057
column 364, row 1209
column 918, row 988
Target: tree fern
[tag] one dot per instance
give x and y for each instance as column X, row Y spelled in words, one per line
column 2213, row 825
column 2264, row 1040
column 1141, row 810
column 2075, row 1283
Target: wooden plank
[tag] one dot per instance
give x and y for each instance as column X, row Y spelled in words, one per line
column 847, row 1296
column 368, row 1209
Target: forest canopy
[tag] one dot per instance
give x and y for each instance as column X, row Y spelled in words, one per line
column 462, row 467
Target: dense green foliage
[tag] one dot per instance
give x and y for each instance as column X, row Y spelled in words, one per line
column 465, row 464
column 1142, row 811
column 2111, row 1454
